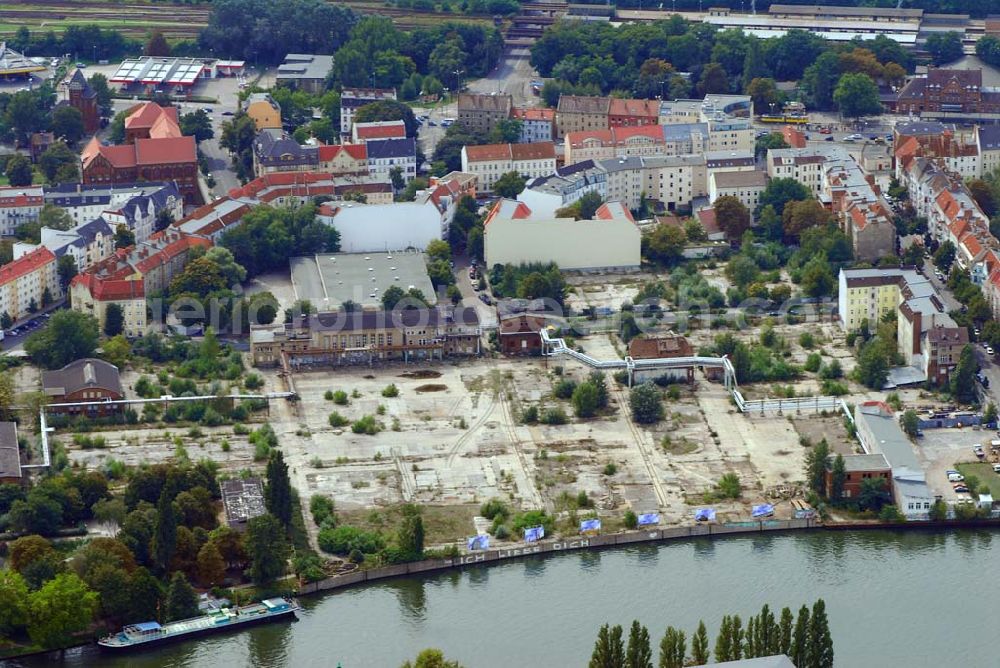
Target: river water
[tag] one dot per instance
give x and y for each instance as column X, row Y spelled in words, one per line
column 894, row 599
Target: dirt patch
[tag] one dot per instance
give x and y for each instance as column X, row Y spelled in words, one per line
column 423, row 374
column 431, row 387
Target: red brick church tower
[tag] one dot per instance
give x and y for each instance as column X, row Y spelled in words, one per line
column 83, row 98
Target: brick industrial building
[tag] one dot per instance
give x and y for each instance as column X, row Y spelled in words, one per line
column 155, row 150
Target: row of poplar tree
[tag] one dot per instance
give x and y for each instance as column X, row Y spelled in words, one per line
column 805, row 639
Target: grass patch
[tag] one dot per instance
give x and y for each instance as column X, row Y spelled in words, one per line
column 984, row 472
column 442, row 524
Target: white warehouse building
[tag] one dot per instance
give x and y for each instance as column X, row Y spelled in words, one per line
column 513, row 235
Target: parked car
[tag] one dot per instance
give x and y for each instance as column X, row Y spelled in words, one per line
column 996, row 468
column 961, row 489
column 830, row 138
column 956, row 477
column 989, row 350
column 825, row 131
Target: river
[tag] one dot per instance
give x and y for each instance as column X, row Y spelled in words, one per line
column 893, row 598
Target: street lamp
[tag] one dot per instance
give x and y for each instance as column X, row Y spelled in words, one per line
column 458, row 80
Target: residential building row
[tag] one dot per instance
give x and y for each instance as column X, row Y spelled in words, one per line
column 127, row 276
column 669, row 182
column 926, row 336
column 274, row 151
column 491, row 161
column 28, row 283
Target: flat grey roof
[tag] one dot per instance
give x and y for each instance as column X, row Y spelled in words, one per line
column 889, row 439
column 330, row 280
column 873, row 462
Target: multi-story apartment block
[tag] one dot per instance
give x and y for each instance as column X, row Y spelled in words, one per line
column 538, row 124
column 948, row 91
column 352, row 99
column 18, row 206
column 577, row 113
column 805, row 165
column 863, row 214
column 386, row 155
column 547, row 194
column 625, row 113
column 746, row 186
column 491, row 161
column 26, row 283
column 927, row 337
column 481, row 113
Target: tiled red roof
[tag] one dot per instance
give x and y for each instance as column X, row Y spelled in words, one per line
column 533, row 151
column 147, row 114
column 25, row 265
column 533, row 114
column 365, row 132
column 329, row 152
column 707, row 219
column 166, row 150
column 631, row 107
column 169, row 252
column 488, row 152
column 110, row 290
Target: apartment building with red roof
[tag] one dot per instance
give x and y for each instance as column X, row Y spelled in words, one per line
column 491, row 161
column 538, row 124
column 623, row 142
column 627, row 113
column 28, row 283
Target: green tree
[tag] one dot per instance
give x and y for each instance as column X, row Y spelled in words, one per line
column 873, row 365
column 585, row 400
column 19, row 172
column 267, row 548
column 58, row 163
column 873, row 494
column 800, row 638
column 509, row 185
column 506, row 131
column 62, row 607
column 944, row 256
column 838, row 476
column 410, row 536
column 157, row 45
column 785, row 631
column 816, row 463
column 55, row 217
column 67, row 124
column 165, row 536
column 431, row 658
column 99, row 84
column 665, row 243
column 856, row 95
column 714, row 80
column 817, row 277
column 68, row 336
column 66, row 268
column 963, row 387
column 820, row 644
column 589, row 203
column 944, row 47
column 732, row 216
column 609, row 651
column 197, row 124
column 780, row 192
column 910, row 422
column 646, row 403
column 182, row 601
column 764, row 92
column 278, row 489
column 638, row 653
column 13, row 601
column 673, row 649
column 699, row 645
column 114, row 320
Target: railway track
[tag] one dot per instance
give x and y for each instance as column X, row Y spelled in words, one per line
column 640, row 441
column 508, row 420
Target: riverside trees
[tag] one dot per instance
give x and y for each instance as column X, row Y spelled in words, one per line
column 805, row 639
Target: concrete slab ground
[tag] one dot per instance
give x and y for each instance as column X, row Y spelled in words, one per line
column 940, row 449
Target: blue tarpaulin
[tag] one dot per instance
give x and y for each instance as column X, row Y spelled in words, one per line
column 704, row 515
column 481, row 542
column 649, row 518
column 590, row 525
column 147, row 626
column 532, row 534
column 763, row 510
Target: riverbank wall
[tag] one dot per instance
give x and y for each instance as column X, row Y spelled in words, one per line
column 651, row 535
